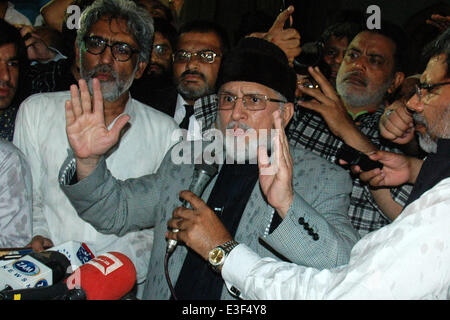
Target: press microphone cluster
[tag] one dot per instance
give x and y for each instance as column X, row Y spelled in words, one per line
column 203, row 174
column 107, row 277
column 34, row 270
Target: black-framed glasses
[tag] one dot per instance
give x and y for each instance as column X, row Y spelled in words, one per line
column 121, row 51
column 162, row 50
column 428, row 87
column 205, row 56
column 252, row 102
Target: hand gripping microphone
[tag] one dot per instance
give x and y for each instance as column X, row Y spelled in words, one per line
column 203, row 174
column 107, row 277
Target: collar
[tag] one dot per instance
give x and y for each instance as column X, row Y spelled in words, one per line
column 443, row 147
column 129, row 110
column 360, row 113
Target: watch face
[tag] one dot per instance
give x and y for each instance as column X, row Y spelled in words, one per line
column 216, row 256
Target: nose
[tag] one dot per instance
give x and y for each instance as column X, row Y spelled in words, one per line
column 4, row 72
column 414, row 104
column 239, row 111
column 360, row 63
column 192, row 63
column 339, row 58
column 106, row 56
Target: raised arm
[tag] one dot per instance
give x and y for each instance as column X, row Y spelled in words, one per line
column 86, row 129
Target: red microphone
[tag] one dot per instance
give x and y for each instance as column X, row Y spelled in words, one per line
column 109, row 276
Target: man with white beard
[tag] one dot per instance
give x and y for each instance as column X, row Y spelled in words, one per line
column 113, row 49
column 408, row 259
column 297, row 211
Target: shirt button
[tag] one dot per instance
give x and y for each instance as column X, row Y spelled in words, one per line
column 301, row 220
column 315, row 237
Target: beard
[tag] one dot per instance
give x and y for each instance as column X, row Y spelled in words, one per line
column 113, row 89
column 244, row 146
column 426, row 142
column 371, row 95
column 193, row 93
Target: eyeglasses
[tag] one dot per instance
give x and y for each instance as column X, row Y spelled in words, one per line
column 162, row 50
column 121, row 51
column 428, row 87
column 252, row 102
column 205, row 56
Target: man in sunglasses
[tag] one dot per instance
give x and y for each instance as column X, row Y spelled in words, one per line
column 113, row 50
column 294, row 209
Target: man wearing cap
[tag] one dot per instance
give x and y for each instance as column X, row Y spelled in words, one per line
column 294, row 209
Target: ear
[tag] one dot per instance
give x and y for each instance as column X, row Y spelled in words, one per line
column 140, row 71
column 288, row 112
column 398, row 80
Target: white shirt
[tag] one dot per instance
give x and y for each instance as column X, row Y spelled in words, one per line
column 40, row 133
column 15, row 197
column 194, row 127
column 13, row 16
column 407, row 259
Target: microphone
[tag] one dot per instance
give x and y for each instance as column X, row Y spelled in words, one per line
column 203, row 174
column 36, row 269
column 108, row 277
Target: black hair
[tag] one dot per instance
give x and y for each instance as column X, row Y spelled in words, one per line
column 401, row 41
column 10, row 34
column 70, row 35
column 440, row 45
column 341, row 30
column 167, row 30
column 205, row 26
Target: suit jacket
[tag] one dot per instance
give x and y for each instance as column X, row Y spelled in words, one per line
column 320, row 206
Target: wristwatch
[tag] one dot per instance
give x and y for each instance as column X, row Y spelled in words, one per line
column 217, row 256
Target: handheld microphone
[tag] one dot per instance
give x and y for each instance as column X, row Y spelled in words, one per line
column 36, row 269
column 108, row 277
column 203, row 174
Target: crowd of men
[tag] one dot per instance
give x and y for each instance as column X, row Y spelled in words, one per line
column 90, row 127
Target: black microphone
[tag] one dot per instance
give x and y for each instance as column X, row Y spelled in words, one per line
column 36, row 269
column 203, row 174
column 58, row 291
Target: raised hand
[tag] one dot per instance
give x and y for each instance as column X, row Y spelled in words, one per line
column 396, row 124
column 397, row 170
column 199, row 228
column 276, row 178
column 85, row 126
column 327, row 103
column 287, row 40
column 440, row 22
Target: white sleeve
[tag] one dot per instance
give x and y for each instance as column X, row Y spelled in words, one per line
column 25, row 138
column 15, row 200
column 407, row 259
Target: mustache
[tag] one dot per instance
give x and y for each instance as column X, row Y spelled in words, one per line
column 356, row 74
column 192, row 72
column 240, row 125
column 102, row 68
column 419, row 119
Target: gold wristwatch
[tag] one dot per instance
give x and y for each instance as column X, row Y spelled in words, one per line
column 217, row 256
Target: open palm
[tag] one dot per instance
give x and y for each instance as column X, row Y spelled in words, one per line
column 85, row 122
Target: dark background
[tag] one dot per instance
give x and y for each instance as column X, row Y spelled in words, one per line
column 311, row 17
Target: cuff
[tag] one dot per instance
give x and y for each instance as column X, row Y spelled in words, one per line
column 237, row 266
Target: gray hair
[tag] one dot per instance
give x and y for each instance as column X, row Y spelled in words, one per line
column 139, row 23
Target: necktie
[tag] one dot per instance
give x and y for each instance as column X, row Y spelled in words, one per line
column 189, row 112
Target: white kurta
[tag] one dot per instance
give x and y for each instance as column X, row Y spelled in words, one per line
column 41, row 135
column 15, row 197
column 407, row 259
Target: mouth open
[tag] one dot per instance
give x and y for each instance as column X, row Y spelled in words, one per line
column 357, row 80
